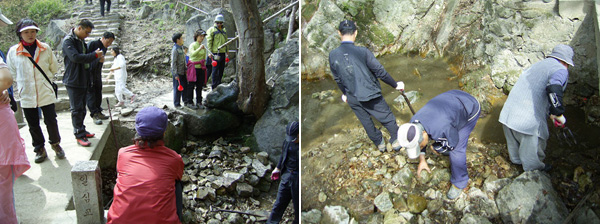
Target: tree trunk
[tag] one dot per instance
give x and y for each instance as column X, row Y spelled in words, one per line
column 253, row 95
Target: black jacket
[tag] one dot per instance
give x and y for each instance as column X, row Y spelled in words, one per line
column 285, row 157
column 76, row 76
column 355, row 70
column 96, row 65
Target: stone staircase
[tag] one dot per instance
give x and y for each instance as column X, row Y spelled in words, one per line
column 110, row 22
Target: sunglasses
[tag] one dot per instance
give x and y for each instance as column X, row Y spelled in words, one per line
column 219, row 22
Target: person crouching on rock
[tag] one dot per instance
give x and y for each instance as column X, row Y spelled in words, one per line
column 148, row 188
column 448, row 119
column 288, row 165
column 356, row 72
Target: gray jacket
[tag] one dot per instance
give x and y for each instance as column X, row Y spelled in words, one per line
column 178, row 65
column 527, row 108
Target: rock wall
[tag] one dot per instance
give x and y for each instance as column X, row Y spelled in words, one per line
column 487, row 43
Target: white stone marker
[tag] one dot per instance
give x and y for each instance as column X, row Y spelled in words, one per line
column 87, row 192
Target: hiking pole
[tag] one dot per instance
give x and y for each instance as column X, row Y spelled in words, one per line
column 407, row 102
column 112, row 126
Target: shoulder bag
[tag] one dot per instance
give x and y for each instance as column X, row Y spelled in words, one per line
column 54, row 86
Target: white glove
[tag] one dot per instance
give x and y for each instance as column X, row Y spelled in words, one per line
column 344, row 98
column 400, row 86
column 561, row 119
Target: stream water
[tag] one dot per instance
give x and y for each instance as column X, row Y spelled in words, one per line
column 327, row 125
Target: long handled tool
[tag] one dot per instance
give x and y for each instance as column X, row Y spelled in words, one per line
column 407, row 102
column 112, row 126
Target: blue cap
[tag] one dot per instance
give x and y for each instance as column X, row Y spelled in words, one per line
column 151, row 122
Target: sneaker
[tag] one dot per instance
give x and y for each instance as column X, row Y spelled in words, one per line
column 132, row 98
column 83, row 142
column 97, row 119
column 102, row 116
column 89, row 135
column 454, row 192
column 40, row 155
column 119, row 104
column 396, row 145
column 58, row 150
column 381, row 145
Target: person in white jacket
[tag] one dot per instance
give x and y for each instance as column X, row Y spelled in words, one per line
column 119, row 68
column 32, row 87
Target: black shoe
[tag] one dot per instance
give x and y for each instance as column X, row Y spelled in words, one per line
column 58, row 150
column 547, row 168
column 102, row 116
column 40, row 155
column 97, row 119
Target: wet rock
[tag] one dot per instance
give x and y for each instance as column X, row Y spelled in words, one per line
column 264, row 185
column 213, row 221
column 224, row 97
column 234, row 218
column 399, row 202
column 400, row 161
column 259, row 167
column 481, row 204
column 532, row 195
column 206, row 193
column 493, row 185
column 393, row 216
column 335, row 214
column 126, row 111
column 383, row 202
column 474, row 219
column 416, row 203
column 434, row 205
column 244, row 190
column 433, row 194
column 425, row 177
column 253, row 180
column 403, row 177
column 236, row 177
column 375, row 218
column 210, row 121
column 400, row 103
column 245, row 149
column 216, row 152
column 269, row 131
column 439, row 176
column 262, row 157
column 312, row 217
column 360, row 207
column 322, row 197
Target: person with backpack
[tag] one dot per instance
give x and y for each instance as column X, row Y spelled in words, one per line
column 33, row 64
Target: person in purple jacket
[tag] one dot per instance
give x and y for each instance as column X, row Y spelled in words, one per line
column 448, row 119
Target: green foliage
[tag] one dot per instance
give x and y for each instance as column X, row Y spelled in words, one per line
column 41, row 11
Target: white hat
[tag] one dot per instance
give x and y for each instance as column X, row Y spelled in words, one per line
column 564, row 53
column 409, row 136
column 5, row 20
column 219, row 18
column 30, row 27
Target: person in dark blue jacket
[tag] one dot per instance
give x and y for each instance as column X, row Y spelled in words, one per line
column 288, row 165
column 448, row 119
column 356, row 72
column 77, row 60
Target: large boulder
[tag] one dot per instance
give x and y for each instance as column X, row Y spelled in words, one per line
column 193, row 24
column 210, row 121
column 55, row 33
column 283, row 107
column 144, row 12
column 224, row 97
column 530, row 198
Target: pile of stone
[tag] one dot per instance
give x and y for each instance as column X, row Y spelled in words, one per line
column 224, row 176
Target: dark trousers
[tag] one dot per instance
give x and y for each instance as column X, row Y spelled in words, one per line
column 33, row 121
column 102, row 6
column 77, row 98
column 458, row 156
column 94, row 97
column 197, row 86
column 379, row 109
column 288, row 190
column 179, row 95
column 217, row 72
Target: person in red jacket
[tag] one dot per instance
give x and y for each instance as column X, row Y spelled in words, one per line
column 148, row 174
